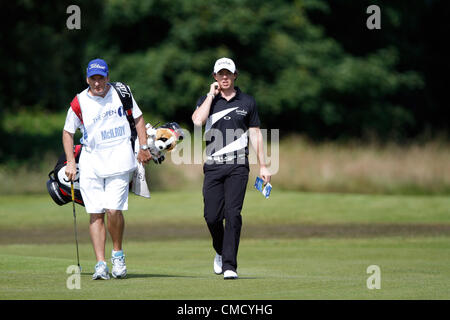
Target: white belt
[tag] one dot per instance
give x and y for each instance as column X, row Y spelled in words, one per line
column 225, row 158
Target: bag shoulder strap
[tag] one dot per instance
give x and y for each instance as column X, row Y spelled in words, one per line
column 127, row 101
column 75, row 105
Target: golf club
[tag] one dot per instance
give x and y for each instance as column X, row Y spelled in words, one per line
column 75, row 223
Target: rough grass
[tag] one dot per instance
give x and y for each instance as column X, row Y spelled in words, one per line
column 364, row 168
column 286, row 208
column 352, row 167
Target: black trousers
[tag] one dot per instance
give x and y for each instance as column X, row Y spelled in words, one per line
column 224, row 189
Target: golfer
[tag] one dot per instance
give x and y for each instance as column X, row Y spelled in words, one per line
column 231, row 117
column 106, row 163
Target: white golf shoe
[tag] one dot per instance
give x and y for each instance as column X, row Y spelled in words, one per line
column 229, row 275
column 119, row 269
column 218, row 264
column 101, row 271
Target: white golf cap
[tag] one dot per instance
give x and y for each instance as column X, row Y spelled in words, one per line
column 224, row 63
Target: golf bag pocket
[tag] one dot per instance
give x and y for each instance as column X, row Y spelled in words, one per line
column 58, row 186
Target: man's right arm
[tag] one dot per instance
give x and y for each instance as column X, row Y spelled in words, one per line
column 202, row 112
column 71, row 167
column 71, row 125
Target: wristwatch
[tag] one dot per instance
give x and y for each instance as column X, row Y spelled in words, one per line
column 211, row 94
column 144, row 147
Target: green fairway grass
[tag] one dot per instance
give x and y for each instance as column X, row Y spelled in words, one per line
column 293, row 246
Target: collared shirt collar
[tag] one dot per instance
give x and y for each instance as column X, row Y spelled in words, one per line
column 236, row 96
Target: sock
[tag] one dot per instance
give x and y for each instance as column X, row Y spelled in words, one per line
column 117, row 253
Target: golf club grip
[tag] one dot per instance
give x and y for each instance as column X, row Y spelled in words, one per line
column 72, row 191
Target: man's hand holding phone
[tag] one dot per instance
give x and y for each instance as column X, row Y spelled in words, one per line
column 214, row 88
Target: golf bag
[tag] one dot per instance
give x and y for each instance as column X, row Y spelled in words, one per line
column 58, row 186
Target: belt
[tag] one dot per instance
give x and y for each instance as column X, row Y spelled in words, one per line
column 225, row 158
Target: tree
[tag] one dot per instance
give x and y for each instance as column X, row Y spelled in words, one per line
column 313, row 66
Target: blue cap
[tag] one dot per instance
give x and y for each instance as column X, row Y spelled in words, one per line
column 97, row 66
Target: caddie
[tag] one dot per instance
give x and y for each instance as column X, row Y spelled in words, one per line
column 106, row 163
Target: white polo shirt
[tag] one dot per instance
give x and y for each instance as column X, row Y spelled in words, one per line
column 106, row 134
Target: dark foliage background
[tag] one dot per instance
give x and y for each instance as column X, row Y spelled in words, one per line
column 313, row 66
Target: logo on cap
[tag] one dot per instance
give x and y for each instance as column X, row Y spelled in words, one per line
column 97, row 67
column 224, row 63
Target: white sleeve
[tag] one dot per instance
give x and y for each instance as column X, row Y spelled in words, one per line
column 72, row 121
column 136, row 110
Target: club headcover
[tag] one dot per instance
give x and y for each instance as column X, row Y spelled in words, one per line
column 163, row 139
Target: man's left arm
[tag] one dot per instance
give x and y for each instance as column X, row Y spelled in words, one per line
column 144, row 156
column 256, row 140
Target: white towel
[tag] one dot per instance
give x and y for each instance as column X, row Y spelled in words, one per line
column 139, row 183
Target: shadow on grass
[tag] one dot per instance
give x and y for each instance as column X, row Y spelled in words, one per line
column 146, row 275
